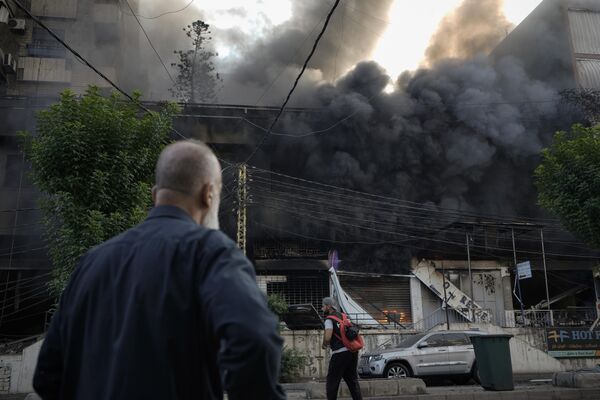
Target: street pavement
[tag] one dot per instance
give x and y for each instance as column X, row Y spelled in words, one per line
column 530, row 390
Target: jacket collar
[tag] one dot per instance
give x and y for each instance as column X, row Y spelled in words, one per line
column 169, row 212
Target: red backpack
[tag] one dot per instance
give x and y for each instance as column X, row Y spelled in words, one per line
column 350, row 338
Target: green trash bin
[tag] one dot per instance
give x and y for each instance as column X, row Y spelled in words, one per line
column 492, row 354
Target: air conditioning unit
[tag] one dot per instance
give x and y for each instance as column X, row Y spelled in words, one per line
column 9, row 64
column 17, row 25
column 4, row 12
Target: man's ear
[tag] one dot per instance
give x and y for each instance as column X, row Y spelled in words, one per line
column 154, row 193
column 207, row 196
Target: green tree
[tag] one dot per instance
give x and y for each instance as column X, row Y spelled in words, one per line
column 196, row 81
column 93, row 159
column 568, row 181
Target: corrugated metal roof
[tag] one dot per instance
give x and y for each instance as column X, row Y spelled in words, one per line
column 589, row 73
column 585, row 31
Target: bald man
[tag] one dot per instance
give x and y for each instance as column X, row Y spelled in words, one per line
column 167, row 310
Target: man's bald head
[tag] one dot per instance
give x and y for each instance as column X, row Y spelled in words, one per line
column 188, row 176
column 186, row 167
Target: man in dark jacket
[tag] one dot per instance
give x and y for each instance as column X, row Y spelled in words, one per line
column 343, row 363
column 167, row 310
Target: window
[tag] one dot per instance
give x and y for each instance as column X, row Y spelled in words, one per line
column 457, row 339
column 408, row 342
column 436, row 340
column 44, row 45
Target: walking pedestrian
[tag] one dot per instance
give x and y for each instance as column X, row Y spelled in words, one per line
column 343, row 363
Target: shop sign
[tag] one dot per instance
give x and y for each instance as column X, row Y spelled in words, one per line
column 573, row 342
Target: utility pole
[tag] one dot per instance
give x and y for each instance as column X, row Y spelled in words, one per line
column 546, row 278
column 470, row 276
column 242, row 196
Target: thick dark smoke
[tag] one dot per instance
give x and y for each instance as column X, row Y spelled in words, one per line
column 475, row 27
column 273, row 59
column 463, row 133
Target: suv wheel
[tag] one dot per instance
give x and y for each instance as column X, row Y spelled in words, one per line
column 396, row 370
column 475, row 373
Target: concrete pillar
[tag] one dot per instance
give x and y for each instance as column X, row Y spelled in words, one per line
column 416, row 300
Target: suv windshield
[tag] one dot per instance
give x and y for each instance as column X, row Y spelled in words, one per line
column 408, row 342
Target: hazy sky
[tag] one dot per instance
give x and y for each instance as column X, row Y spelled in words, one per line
column 410, row 24
column 412, row 27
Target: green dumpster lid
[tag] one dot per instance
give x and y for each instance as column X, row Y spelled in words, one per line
column 492, row 335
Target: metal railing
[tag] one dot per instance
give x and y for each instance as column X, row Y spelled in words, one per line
column 379, row 320
column 549, row 318
column 384, row 320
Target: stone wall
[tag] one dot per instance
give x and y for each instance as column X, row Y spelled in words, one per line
column 17, row 370
column 309, row 344
column 11, row 365
column 528, row 349
column 5, row 379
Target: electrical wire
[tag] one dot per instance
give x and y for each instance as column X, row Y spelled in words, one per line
column 291, row 59
column 314, row 48
column 74, row 52
column 345, row 203
column 150, row 42
column 269, row 131
column 329, row 220
column 386, row 200
column 342, row 206
column 81, row 59
column 25, row 282
column 11, row 210
column 349, row 208
column 164, row 13
column 392, row 201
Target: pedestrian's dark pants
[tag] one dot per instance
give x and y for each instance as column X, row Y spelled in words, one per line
column 343, row 365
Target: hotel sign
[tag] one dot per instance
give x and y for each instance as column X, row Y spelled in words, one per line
column 573, row 342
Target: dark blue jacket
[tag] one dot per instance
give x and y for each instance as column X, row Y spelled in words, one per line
column 166, row 310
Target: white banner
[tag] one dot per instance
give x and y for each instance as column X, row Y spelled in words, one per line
column 456, row 299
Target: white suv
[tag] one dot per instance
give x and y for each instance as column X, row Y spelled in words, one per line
column 441, row 353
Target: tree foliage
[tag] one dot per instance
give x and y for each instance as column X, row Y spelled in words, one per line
column 277, row 304
column 568, row 181
column 196, row 81
column 93, row 159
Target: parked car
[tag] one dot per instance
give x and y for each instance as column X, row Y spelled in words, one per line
column 440, row 353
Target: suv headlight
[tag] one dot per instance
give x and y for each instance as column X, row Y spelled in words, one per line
column 375, row 357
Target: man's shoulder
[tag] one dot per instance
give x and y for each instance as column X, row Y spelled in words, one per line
column 216, row 237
